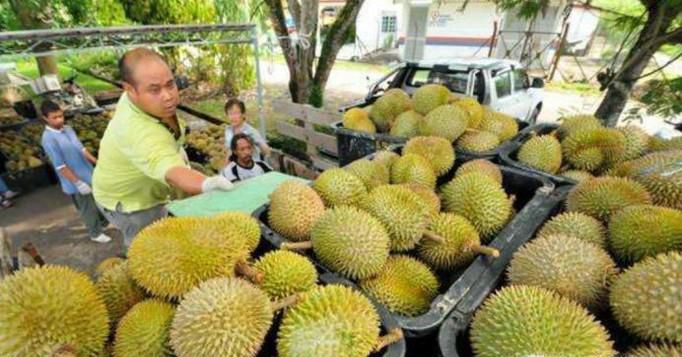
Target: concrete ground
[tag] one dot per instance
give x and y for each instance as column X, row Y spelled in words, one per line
column 47, row 218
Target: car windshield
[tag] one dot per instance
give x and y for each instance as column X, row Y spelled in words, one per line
column 456, row 81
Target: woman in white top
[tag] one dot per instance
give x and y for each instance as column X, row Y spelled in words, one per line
column 236, row 113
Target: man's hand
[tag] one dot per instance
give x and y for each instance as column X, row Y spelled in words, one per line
column 214, row 183
column 83, row 188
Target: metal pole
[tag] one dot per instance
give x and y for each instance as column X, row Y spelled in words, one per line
column 493, row 39
column 557, row 55
column 259, row 83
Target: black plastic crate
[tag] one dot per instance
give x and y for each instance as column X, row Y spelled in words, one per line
column 508, row 156
column 30, row 179
column 388, row 323
column 531, row 192
column 453, row 337
column 353, row 145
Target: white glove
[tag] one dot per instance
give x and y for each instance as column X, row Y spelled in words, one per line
column 216, row 183
column 83, row 188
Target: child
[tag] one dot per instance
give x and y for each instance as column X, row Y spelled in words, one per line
column 242, row 164
column 236, row 112
column 73, row 164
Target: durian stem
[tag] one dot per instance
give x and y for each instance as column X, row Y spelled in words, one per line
column 297, row 245
column 393, row 336
column 285, row 302
column 433, row 237
column 489, row 251
column 243, row 268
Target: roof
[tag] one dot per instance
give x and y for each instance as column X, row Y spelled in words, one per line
column 481, row 63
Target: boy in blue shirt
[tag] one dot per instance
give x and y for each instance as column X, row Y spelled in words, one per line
column 73, row 164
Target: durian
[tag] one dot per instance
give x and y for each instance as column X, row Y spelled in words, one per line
column 407, row 124
column 388, row 107
column 285, row 273
column 412, row 168
column 145, row 330
column 436, row 150
column 478, row 141
column 358, row 119
column 294, row 207
column 372, row 174
column 447, row 121
column 119, row 291
column 429, row 97
column 483, row 166
column 601, row 197
column 339, row 187
column 542, row 153
column 578, row 225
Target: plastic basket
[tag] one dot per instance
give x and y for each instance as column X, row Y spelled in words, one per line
column 531, row 192
column 508, row 156
column 453, row 337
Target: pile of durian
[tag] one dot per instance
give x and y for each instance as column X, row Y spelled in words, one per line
column 615, row 253
column 90, row 129
column 581, row 147
column 20, row 149
column 382, row 224
column 434, row 110
column 210, row 141
column 11, row 120
column 188, row 288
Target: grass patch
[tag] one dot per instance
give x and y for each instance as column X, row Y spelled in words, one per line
column 573, row 87
column 92, row 85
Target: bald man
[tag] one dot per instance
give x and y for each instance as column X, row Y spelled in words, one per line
column 141, row 155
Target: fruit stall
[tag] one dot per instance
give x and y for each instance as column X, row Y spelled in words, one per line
column 469, row 236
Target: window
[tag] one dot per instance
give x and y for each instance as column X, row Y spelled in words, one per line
column 456, row 81
column 388, row 24
column 520, row 79
column 503, row 84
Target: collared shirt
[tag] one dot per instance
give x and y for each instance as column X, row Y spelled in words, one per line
column 135, row 153
column 65, row 150
column 251, row 132
column 235, row 172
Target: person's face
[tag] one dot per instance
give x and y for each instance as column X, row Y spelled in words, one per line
column 153, row 89
column 244, row 151
column 234, row 113
column 55, row 119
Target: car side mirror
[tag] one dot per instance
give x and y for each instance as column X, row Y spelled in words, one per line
column 538, row 83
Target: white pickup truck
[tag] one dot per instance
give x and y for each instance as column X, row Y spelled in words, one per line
column 501, row 84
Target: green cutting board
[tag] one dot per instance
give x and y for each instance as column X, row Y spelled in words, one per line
column 246, row 197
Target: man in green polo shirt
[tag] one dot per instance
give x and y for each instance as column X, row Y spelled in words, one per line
column 141, row 155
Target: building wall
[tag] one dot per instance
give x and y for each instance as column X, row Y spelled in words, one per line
column 453, row 33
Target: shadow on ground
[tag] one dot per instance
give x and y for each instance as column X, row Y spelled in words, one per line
column 47, row 218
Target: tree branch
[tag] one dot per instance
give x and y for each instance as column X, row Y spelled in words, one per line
column 295, row 11
column 277, row 19
column 674, row 36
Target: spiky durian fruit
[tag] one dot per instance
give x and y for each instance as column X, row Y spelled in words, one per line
column 407, row 124
column 500, row 124
column 645, row 299
column 222, row 317
column 483, row 166
column 404, row 214
column 514, row 322
column 386, row 158
column 427, row 195
column 145, row 330
column 574, row 123
column 337, row 235
column 405, row 286
column 429, row 97
column 460, row 243
column 358, row 119
column 332, row 320
column 339, row 187
column 285, row 273
column 447, row 121
column 636, row 142
column 412, row 168
column 294, row 207
column 106, row 264
column 578, row 225
column 173, row 255
column 480, row 199
column 243, row 224
column 577, row 175
column 542, row 153
column 640, row 231
column 574, row 268
column 473, row 108
column 388, row 107
column 601, row 197
column 43, row 309
column 593, row 149
column 656, row 350
column 372, row 174
column 478, row 141
column 119, row 291
column 436, row 150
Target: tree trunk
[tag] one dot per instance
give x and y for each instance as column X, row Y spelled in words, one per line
column 659, row 19
column 34, row 19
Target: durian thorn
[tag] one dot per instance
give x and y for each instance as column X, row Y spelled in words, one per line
column 243, row 268
column 393, row 336
column 297, row 245
column 433, row 237
column 512, row 199
column 286, row 302
column 489, row 251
